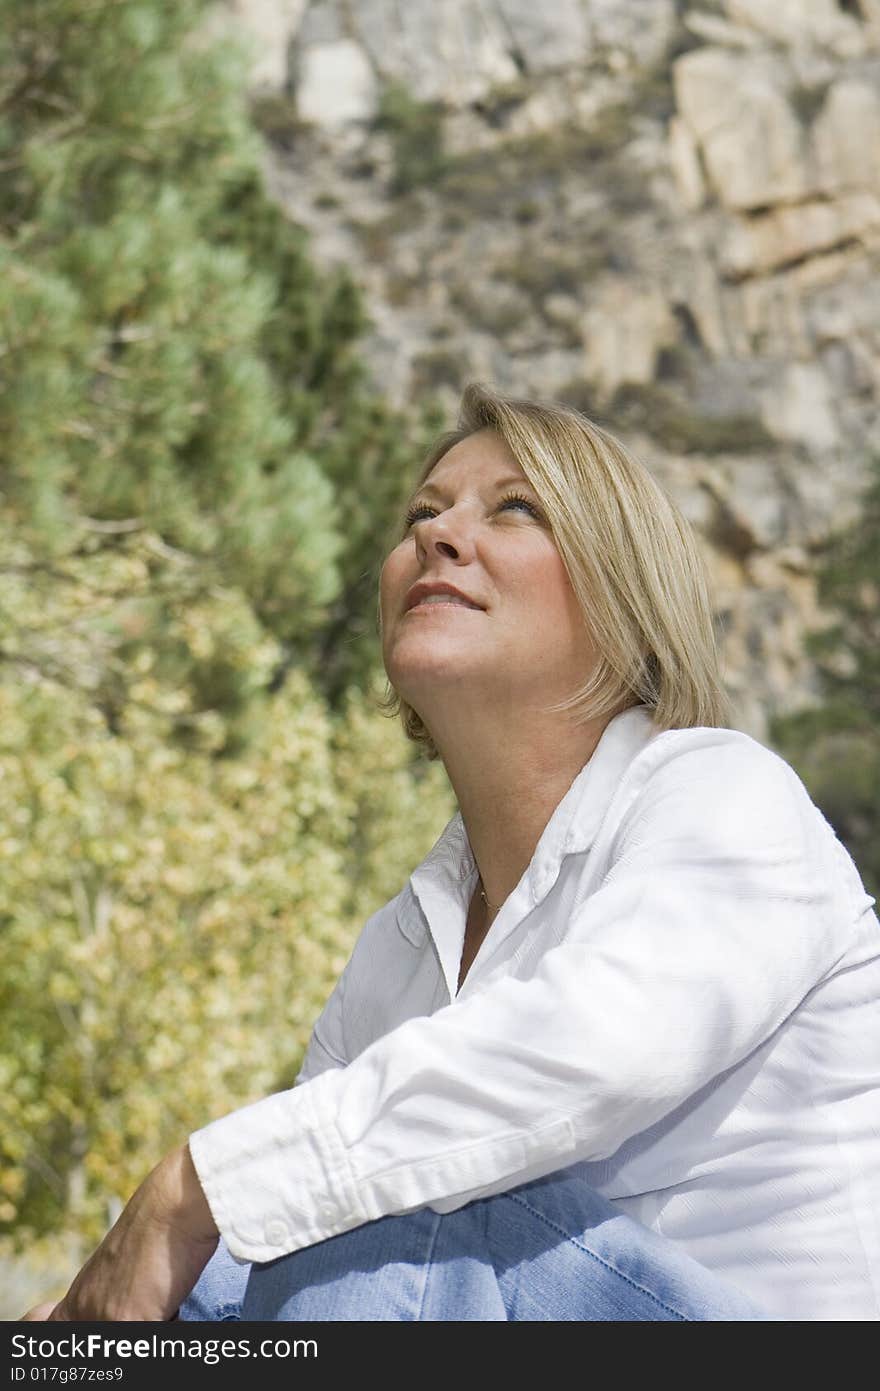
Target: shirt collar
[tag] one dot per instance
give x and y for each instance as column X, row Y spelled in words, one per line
column 442, row 885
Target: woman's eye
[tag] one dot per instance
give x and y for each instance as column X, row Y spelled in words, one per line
column 414, row 513
column 522, row 501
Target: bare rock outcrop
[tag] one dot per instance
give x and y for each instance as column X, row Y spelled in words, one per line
column 668, row 215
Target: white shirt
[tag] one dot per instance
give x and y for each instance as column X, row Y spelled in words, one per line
column 682, row 993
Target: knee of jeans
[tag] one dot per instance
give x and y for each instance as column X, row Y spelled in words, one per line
column 198, row 1311
column 218, row 1294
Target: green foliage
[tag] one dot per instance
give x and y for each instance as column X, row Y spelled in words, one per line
column 665, row 416
column 835, row 745
column 171, row 356
column 277, row 116
column 522, row 165
column 438, row 367
column 517, row 179
column 502, row 100
column 136, row 381
column 560, row 271
column 395, row 808
column 416, row 131
column 371, row 465
column 196, row 491
column 172, row 924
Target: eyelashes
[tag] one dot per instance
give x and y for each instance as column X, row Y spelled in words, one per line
column 414, row 513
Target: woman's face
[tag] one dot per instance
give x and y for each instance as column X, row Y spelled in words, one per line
column 525, row 643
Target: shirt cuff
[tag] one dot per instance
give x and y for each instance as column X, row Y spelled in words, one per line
column 276, row 1173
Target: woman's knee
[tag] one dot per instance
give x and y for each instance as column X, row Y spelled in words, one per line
column 373, row 1271
column 219, row 1293
column 418, row 1266
column 551, row 1249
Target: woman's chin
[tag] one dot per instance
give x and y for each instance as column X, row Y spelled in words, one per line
column 422, row 674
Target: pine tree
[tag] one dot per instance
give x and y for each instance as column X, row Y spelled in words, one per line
column 136, row 398
column 172, row 361
column 196, row 483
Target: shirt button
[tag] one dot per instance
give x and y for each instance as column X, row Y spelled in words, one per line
column 328, row 1211
column 276, row 1233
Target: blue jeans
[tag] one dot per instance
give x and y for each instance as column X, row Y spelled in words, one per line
column 552, row 1249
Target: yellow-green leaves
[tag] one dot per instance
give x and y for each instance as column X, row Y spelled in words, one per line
column 173, row 922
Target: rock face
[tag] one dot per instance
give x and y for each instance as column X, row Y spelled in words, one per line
column 667, row 214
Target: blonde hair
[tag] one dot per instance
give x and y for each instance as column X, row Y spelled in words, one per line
column 632, row 558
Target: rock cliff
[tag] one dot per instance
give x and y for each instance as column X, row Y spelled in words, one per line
column 667, row 214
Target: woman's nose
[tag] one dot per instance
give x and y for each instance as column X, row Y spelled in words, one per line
column 444, row 534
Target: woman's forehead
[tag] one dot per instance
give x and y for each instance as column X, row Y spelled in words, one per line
column 484, row 452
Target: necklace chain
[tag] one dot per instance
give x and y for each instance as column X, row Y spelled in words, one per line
column 496, row 907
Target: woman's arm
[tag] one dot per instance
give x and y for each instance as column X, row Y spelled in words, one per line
column 153, row 1255
column 720, row 911
column 716, row 918
column 165, row 1236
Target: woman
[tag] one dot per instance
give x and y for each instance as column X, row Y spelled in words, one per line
column 613, row 1052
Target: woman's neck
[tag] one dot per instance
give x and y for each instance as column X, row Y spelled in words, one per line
column 507, row 791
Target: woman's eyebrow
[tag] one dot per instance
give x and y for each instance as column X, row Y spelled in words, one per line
column 514, row 478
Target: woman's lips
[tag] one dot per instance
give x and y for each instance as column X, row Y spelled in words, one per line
column 425, row 605
column 438, row 591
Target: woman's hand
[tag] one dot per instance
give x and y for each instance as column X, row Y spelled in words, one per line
column 151, row 1258
column 40, row 1311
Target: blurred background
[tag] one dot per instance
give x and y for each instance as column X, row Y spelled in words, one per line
column 250, row 252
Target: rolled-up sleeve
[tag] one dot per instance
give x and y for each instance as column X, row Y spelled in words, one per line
column 714, row 920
